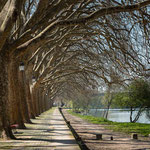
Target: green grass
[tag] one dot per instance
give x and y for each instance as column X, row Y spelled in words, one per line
column 49, row 111
column 141, row 128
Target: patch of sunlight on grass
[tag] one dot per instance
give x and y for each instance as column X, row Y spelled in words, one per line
column 50, row 111
column 42, row 116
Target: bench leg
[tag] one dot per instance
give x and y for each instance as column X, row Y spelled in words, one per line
column 15, row 131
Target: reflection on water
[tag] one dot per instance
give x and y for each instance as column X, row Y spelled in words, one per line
column 118, row 115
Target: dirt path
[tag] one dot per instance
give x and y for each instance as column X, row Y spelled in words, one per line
column 49, row 132
column 120, row 141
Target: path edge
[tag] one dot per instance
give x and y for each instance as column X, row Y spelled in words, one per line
column 78, row 139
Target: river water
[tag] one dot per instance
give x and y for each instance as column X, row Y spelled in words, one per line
column 118, row 115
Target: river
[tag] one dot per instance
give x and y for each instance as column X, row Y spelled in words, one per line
column 118, row 115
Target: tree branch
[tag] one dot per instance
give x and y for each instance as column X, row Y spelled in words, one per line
column 40, row 38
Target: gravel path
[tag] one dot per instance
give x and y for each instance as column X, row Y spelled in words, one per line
column 88, row 131
column 49, row 132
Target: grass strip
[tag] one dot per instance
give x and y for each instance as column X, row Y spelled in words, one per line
column 50, row 111
column 126, row 127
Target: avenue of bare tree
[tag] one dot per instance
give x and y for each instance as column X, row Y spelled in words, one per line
column 67, row 46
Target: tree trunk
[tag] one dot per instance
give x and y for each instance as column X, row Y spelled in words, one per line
column 42, row 101
column 141, row 109
column 131, row 112
column 38, row 102
column 14, row 94
column 45, row 98
column 4, row 111
column 23, row 97
column 108, row 106
column 51, row 103
column 34, row 99
column 30, row 103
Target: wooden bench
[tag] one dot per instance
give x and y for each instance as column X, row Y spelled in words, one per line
column 14, row 127
column 99, row 136
column 134, row 136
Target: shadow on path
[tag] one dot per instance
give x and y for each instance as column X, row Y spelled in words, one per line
column 48, row 131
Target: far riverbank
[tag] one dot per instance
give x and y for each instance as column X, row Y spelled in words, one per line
column 119, row 115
